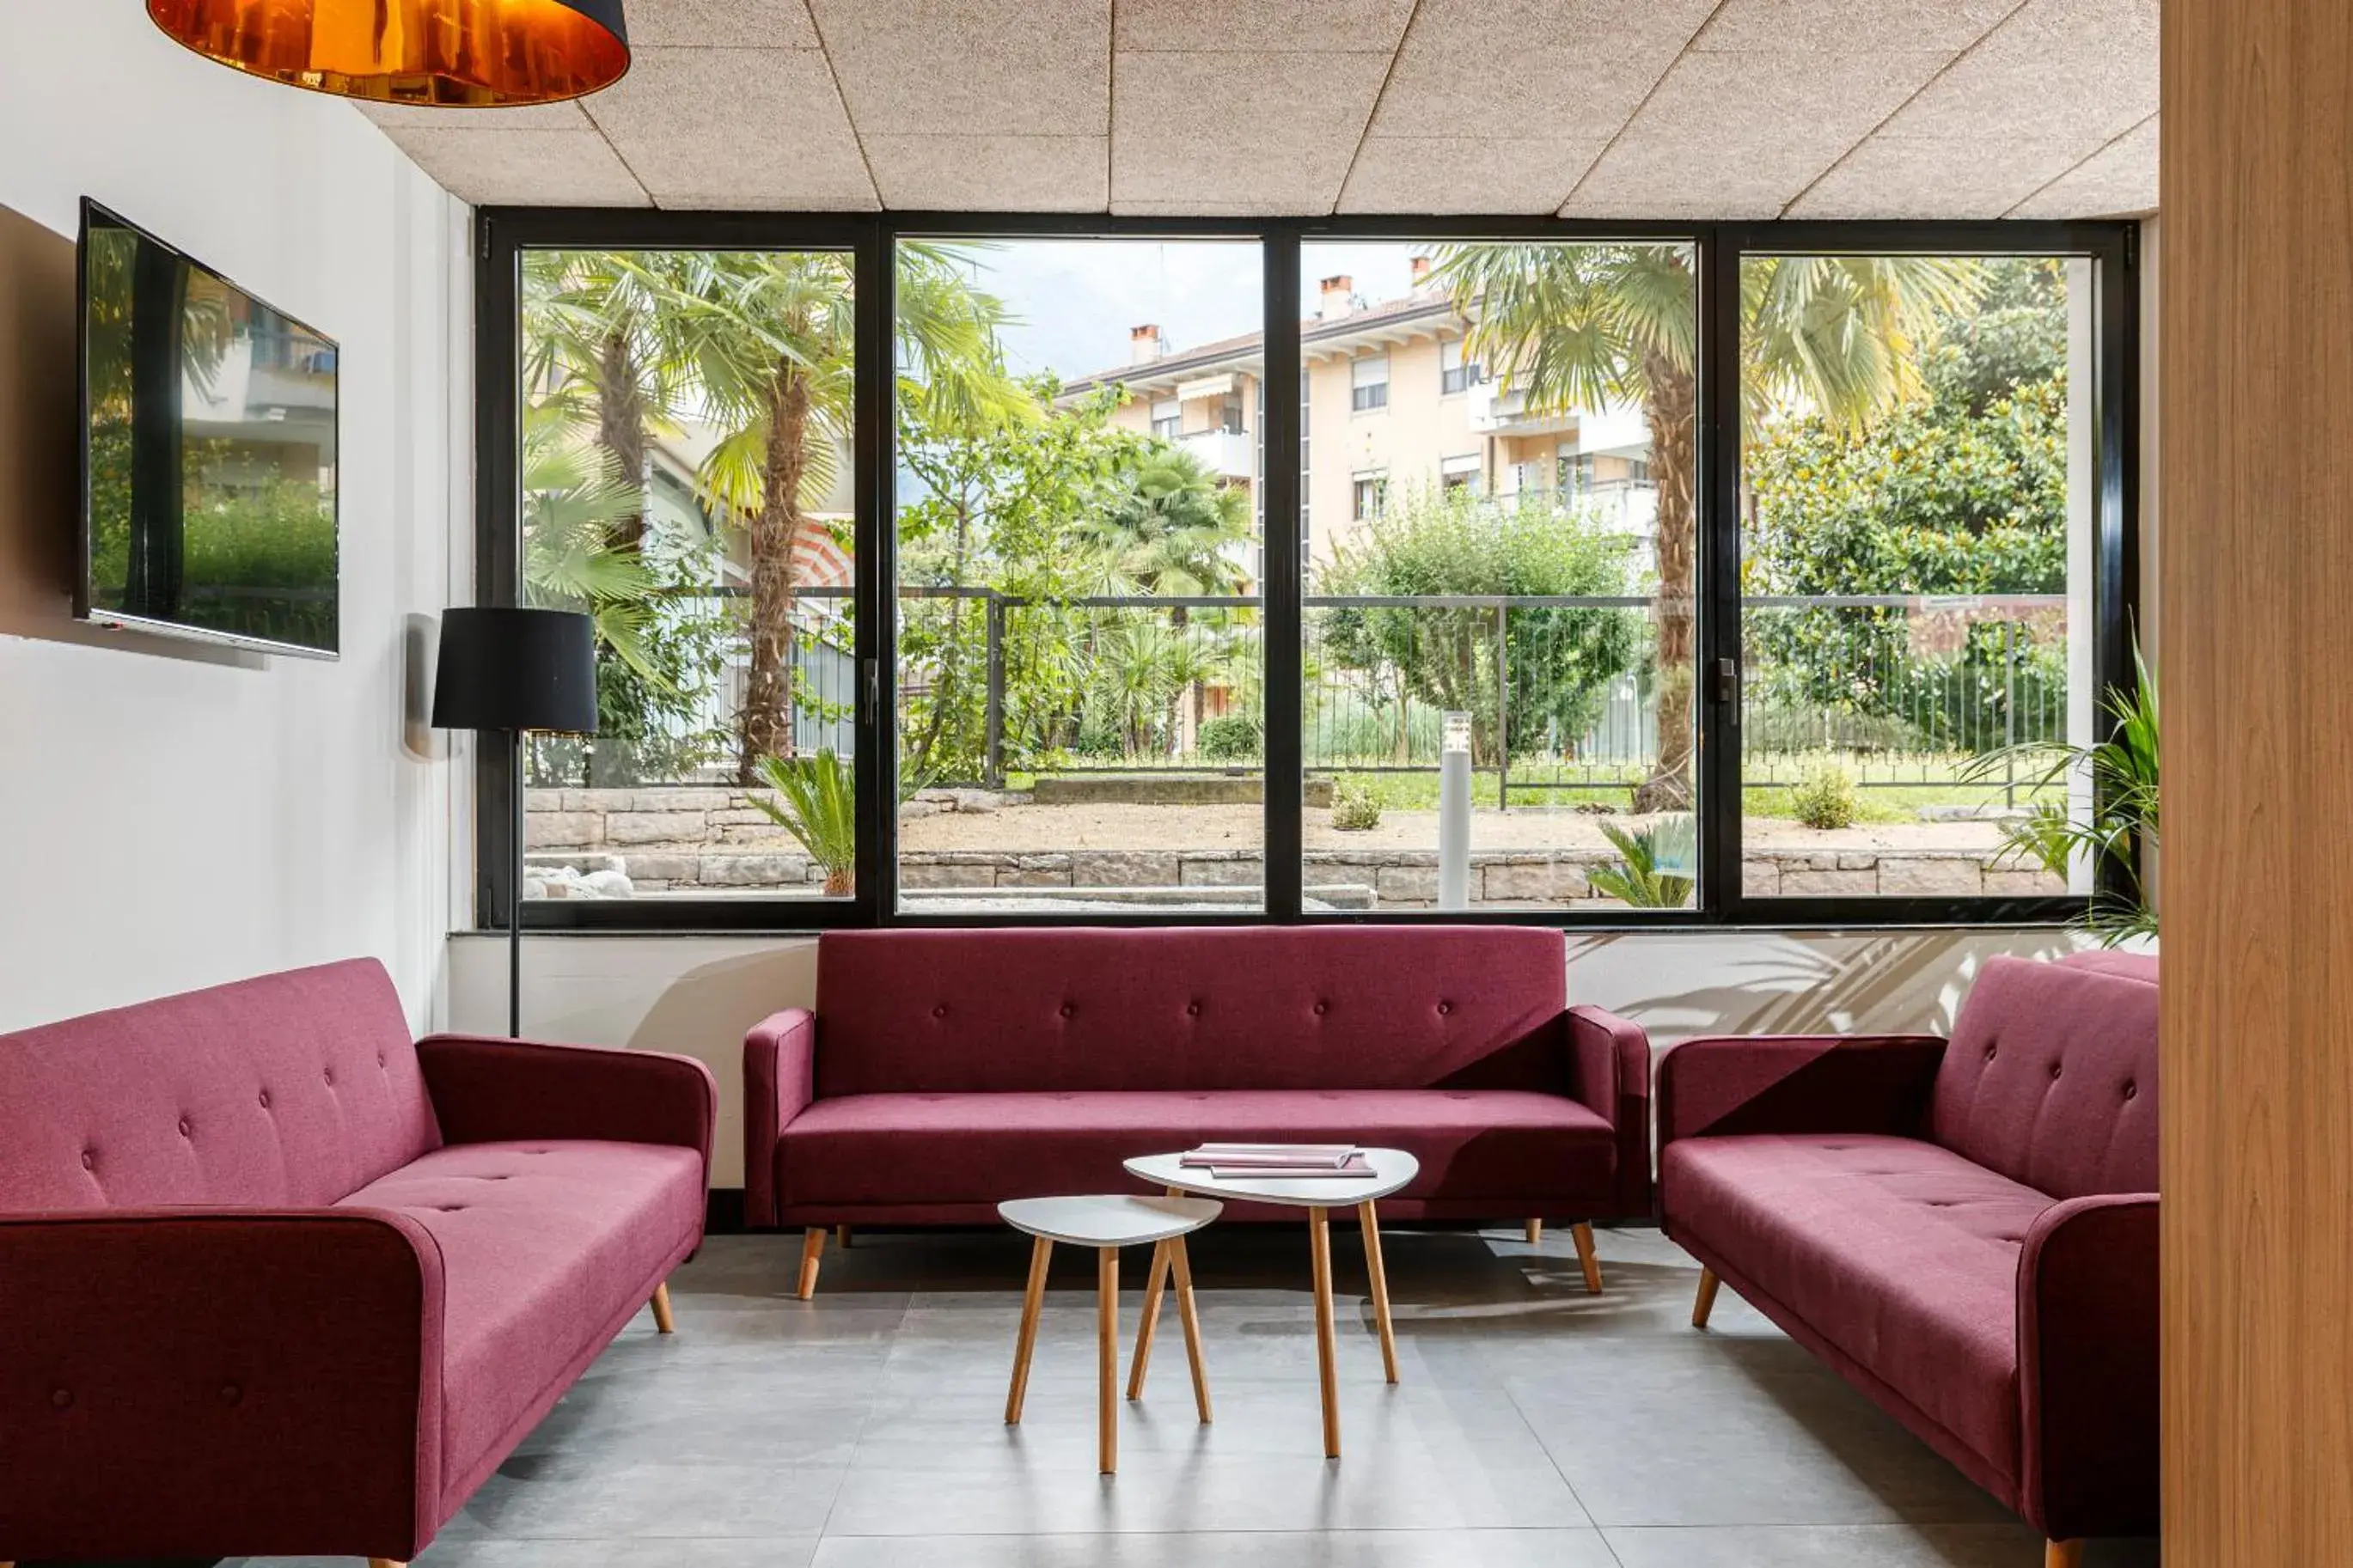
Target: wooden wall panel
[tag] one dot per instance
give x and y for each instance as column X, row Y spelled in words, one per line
column 2258, row 617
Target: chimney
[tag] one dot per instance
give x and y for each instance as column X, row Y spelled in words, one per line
column 1144, row 344
column 1339, row 297
column 1420, row 273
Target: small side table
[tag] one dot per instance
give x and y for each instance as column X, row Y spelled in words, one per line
column 1107, row 1222
column 1392, row 1169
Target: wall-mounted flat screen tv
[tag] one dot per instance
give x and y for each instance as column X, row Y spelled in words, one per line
column 208, row 452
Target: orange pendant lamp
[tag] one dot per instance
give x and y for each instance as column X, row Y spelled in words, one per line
column 435, row 53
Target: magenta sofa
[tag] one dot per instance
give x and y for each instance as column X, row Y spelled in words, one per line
column 280, row 1282
column 1965, row 1229
column 944, row 1071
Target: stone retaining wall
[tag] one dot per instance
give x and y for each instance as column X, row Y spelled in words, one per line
column 631, row 843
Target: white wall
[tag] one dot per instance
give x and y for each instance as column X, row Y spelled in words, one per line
column 176, row 816
column 698, row 995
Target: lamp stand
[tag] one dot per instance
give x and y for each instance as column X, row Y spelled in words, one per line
column 514, row 886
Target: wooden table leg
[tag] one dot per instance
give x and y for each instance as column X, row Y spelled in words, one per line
column 1192, row 1322
column 1371, row 1221
column 1042, row 1253
column 1149, row 1322
column 1319, row 1245
column 1107, row 1357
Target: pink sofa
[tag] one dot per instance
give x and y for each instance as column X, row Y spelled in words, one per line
column 281, row 1282
column 943, row 1071
column 1965, row 1229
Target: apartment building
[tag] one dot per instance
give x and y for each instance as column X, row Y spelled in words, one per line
column 1390, row 399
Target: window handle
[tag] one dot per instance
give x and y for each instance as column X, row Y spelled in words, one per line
column 1727, row 686
column 873, row 687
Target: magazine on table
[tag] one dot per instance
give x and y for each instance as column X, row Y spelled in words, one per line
column 1289, row 1161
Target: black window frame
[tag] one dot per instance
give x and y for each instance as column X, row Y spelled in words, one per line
column 502, row 234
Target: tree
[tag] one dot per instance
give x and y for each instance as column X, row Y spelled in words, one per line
column 1586, row 326
column 1559, row 658
column 769, row 339
column 1175, row 529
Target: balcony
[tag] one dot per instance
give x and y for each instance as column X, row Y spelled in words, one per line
column 1229, row 454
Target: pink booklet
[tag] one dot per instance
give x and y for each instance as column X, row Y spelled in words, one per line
column 1337, row 1158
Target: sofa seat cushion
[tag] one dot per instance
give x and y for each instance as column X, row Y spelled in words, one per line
column 1901, row 1253
column 935, row 1148
column 546, row 1249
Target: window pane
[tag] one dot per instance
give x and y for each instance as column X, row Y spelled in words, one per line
column 688, row 486
column 1916, row 550
column 1079, row 663
column 1499, row 640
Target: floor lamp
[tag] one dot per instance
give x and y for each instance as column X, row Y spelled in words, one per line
column 509, row 672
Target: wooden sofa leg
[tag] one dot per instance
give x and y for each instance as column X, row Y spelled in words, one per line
column 1582, row 1233
column 373, row 1562
column 1535, row 1233
column 663, row 1322
column 841, row 1237
column 2063, row 1555
column 812, row 1248
column 1706, row 1304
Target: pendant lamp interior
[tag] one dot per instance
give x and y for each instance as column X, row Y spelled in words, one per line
column 454, row 53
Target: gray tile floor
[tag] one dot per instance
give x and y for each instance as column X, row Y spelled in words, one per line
column 1534, row 1424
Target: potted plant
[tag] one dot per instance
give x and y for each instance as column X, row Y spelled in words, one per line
column 817, row 804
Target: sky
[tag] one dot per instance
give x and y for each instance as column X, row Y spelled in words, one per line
column 1076, row 298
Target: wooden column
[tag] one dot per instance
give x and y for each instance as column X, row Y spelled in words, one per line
column 2257, row 618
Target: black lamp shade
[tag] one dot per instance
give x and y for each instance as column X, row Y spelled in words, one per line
column 516, row 670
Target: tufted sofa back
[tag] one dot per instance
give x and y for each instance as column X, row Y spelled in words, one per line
column 293, row 1089
column 2051, row 1078
column 1246, row 1007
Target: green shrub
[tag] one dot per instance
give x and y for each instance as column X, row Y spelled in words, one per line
column 1229, row 735
column 1648, row 877
column 1354, row 808
column 1824, row 798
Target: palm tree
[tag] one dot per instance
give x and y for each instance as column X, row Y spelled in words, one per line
column 1173, row 532
column 768, row 340
column 1583, row 326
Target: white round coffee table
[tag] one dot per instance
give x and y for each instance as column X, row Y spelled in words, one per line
column 1319, row 1195
column 1107, row 1222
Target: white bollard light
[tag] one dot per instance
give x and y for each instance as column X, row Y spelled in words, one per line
column 1454, row 814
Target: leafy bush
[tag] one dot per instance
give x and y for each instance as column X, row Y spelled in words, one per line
column 1639, row 878
column 1824, row 798
column 1229, row 735
column 1354, row 808
column 817, row 804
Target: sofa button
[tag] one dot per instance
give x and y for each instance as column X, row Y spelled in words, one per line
column 183, row 1127
column 88, row 1159
column 1067, row 1009
column 1192, row 1009
column 231, row 1394
column 1321, row 1007
column 331, row 1075
column 941, row 1011
column 1446, row 1006
column 2131, row 1089
column 1989, row 1052
column 2055, row 1070
column 265, row 1100
column 61, row 1397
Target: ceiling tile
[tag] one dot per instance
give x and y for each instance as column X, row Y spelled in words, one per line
column 565, row 116
column 1570, row 68
column 1890, row 176
column 2119, row 180
column 992, row 173
column 753, row 128
column 522, row 167
column 1464, row 174
column 1271, row 128
column 1250, row 26
column 732, row 23
column 1740, row 135
column 2084, row 69
column 1029, row 68
column 1845, row 26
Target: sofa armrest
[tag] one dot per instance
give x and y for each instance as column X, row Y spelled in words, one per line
column 2087, row 1343
column 1609, row 1060
column 779, row 1081
column 487, row 1090
column 1797, row 1083
column 194, row 1383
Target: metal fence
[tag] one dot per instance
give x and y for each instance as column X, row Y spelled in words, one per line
column 1563, row 691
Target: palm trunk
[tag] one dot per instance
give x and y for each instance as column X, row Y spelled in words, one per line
column 767, row 720
column 1670, row 411
column 621, row 431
